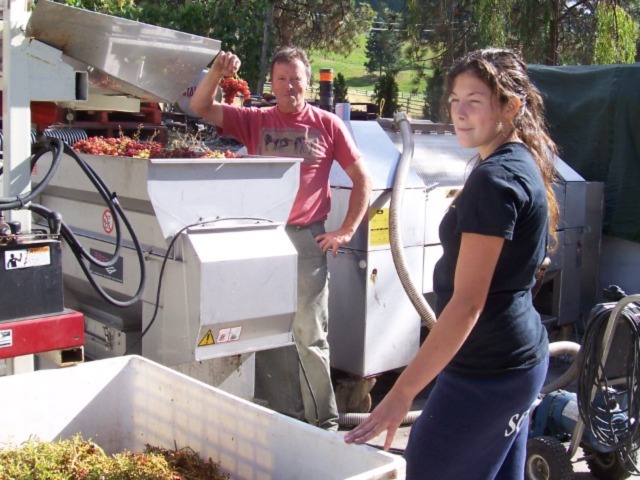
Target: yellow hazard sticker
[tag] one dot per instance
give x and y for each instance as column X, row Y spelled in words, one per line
column 206, row 340
column 378, row 227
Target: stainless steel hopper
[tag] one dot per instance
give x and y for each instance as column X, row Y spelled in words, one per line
column 122, row 56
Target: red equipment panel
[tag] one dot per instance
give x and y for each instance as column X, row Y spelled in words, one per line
column 42, row 334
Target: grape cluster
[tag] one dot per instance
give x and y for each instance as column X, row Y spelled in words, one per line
column 125, row 146
column 232, row 87
column 122, row 146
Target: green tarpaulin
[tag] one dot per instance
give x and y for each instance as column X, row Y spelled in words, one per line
column 593, row 113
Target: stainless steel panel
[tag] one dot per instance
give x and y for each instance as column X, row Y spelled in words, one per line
column 233, row 292
column 245, row 275
column 127, row 57
column 432, row 254
column 439, row 159
column 236, row 275
column 380, row 155
column 373, row 327
column 373, row 233
column 239, row 191
column 105, row 341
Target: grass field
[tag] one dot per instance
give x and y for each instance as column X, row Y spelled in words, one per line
column 353, row 69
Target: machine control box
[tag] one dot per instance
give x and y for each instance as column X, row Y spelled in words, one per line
column 30, row 278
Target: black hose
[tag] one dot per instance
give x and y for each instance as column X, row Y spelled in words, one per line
column 602, row 402
column 57, row 147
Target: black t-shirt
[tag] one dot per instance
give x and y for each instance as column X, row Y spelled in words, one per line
column 505, row 197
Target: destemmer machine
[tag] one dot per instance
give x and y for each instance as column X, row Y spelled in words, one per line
column 220, row 270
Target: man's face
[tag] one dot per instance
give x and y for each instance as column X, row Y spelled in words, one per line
column 289, row 84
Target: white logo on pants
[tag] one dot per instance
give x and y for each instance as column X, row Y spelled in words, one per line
column 515, row 423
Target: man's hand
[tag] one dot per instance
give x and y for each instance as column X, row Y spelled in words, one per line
column 226, row 64
column 358, row 204
column 333, row 241
column 203, row 101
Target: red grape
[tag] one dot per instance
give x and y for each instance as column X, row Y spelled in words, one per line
column 232, row 87
column 125, row 146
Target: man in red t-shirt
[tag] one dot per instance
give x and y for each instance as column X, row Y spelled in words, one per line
column 293, row 128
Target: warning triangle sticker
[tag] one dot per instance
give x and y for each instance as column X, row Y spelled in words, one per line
column 207, row 339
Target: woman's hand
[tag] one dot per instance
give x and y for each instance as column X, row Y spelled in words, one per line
column 387, row 416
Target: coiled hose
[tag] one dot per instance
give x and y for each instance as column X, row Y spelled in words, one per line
column 618, row 387
column 354, row 419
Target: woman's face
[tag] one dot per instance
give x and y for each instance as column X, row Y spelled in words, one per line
column 478, row 119
column 289, row 85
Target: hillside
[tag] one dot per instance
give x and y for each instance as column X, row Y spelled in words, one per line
column 361, row 84
column 353, row 69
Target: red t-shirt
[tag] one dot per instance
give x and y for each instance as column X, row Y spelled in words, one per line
column 313, row 134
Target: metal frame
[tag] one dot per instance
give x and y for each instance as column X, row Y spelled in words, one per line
column 20, row 57
column 45, row 334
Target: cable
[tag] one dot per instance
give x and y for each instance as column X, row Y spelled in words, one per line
column 82, row 255
column 613, row 414
column 57, row 147
column 48, row 144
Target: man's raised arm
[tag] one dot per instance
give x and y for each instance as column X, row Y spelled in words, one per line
column 203, row 102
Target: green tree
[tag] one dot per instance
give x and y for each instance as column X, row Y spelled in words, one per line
column 320, row 25
column 385, row 93
column 492, row 18
column 553, row 32
column 246, row 26
column 436, row 34
column 614, row 22
column 373, row 51
column 433, row 106
column 238, row 25
column 119, row 8
column 340, row 89
column 380, row 5
column 382, row 47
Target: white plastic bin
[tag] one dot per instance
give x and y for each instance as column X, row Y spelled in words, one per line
column 127, row 402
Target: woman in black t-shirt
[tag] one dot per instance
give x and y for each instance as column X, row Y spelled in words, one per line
column 488, row 348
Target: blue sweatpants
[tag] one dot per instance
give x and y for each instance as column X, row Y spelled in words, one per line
column 474, row 427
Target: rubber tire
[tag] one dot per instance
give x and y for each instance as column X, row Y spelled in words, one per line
column 547, row 459
column 607, row 466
